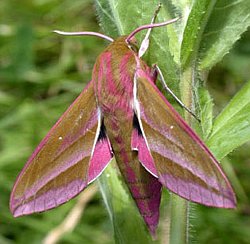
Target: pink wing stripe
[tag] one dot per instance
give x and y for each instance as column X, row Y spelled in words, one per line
column 191, row 191
column 51, row 199
column 100, row 159
column 138, row 143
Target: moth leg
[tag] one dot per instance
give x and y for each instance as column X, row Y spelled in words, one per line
column 145, row 42
column 159, row 73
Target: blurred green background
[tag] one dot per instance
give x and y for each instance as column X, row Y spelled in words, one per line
column 40, row 75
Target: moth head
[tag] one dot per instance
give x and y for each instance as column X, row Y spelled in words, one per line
column 133, row 44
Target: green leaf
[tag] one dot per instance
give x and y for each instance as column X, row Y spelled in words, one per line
column 192, row 36
column 229, row 19
column 164, row 46
column 206, row 111
column 108, row 18
column 182, row 6
column 112, row 14
column 128, row 224
column 232, row 126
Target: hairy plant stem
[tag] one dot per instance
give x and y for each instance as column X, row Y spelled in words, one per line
column 179, row 212
column 179, row 216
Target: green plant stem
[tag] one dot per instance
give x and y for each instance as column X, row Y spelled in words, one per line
column 179, row 215
column 179, row 212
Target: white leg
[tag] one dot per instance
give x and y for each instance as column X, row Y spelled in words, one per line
column 172, row 93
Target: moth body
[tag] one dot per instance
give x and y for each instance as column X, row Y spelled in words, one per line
column 114, row 76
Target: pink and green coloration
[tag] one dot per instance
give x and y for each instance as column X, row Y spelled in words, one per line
column 122, row 114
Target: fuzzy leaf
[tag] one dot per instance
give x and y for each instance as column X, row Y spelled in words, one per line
column 182, row 9
column 229, row 19
column 182, row 6
column 192, row 36
column 206, row 111
column 232, row 126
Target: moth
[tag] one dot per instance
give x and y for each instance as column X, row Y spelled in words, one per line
column 121, row 114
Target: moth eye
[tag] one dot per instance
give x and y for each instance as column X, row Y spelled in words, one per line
column 134, row 47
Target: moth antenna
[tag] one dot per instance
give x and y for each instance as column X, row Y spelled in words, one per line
column 145, row 42
column 149, row 26
column 84, row 33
